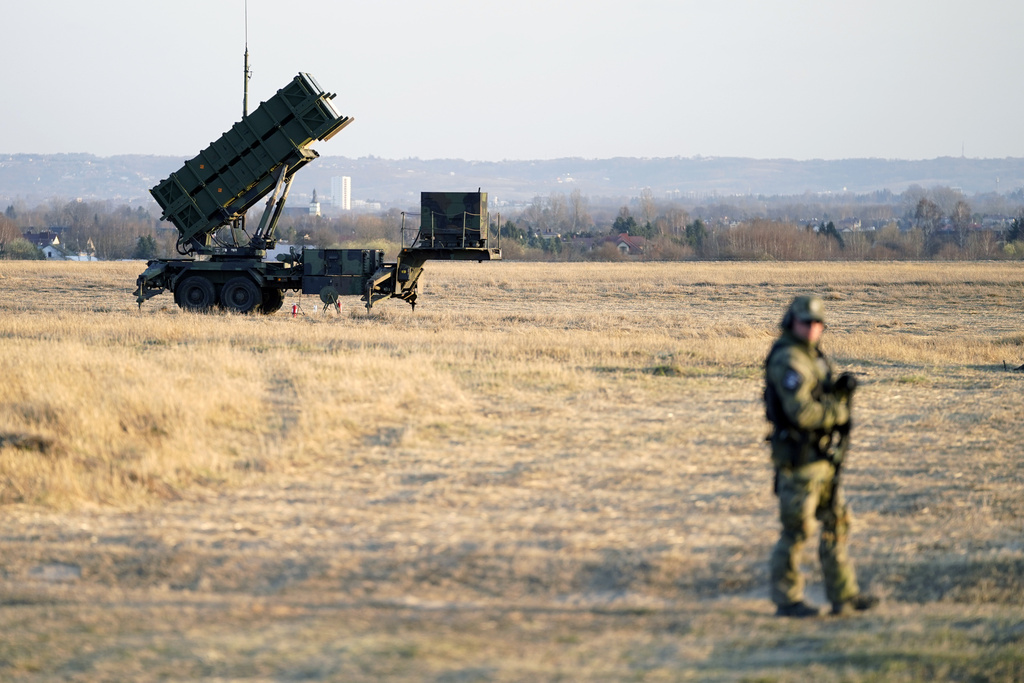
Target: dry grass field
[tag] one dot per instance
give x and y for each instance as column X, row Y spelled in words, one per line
column 546, row 472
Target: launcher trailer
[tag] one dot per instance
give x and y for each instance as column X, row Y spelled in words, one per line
column 223, row 265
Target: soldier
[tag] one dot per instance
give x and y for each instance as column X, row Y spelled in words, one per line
column 810, row 415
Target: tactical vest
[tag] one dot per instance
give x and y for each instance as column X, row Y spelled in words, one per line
column 792, row 446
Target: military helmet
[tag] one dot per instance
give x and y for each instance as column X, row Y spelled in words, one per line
column 807, row 308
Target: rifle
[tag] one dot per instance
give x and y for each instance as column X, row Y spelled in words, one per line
column 844, row 387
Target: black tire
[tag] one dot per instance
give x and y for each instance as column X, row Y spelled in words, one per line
column 195, row 293
column 273, row 299
column 241, row 295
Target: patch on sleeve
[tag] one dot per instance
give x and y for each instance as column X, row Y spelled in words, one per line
column 792, row 380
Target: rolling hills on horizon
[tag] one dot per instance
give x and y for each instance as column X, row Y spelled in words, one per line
column 34, row 179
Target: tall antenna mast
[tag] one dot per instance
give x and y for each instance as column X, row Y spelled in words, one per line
column 239, row 225
column 246, row 73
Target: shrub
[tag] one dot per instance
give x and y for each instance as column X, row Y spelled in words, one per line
column 20, row 249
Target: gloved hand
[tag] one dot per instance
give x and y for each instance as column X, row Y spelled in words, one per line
column 845, row 385
column 837, row 412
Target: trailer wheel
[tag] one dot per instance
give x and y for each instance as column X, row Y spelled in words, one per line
column 195, row 293
column 272, row 301
column 240, row 294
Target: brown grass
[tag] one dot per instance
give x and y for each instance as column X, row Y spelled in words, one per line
column 547, row 471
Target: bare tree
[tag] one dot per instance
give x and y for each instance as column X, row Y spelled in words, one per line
column 533, row 215
column 960, row 216
column 578, row 209
column 8, row 231
column 912, row 197
column 557, row 213
column 648, row 211
column 74, row 214
column 927, row 214
column 676, row 220
column 946, row 198
column 928, row 217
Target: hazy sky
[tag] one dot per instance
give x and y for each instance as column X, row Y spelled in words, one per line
column 526, row 79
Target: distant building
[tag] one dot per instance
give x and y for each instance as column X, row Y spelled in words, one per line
column 341, row 192
column 43, row 238
column 311, row 209
column 48, row 242
column 53, row 252
column 629, row 245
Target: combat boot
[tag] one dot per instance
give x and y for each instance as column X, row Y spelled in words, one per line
column 859, row 603
column 800, row 610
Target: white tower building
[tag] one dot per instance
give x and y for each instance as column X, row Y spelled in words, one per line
column 341, row 192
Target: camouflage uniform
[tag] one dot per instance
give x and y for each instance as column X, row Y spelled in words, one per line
column 805, row 411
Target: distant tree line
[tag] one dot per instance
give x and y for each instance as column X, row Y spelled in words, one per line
column 98, row 229
column 918, row 224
